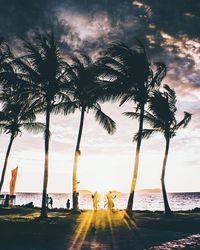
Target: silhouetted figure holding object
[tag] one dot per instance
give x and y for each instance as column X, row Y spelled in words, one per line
column 110, row 204
column 95, row 200
column 68, row 204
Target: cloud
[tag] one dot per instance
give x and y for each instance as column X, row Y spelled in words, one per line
column 169, row 31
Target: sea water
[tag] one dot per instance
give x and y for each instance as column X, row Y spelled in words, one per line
column 142, row 201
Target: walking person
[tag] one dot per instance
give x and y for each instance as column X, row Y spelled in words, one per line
column 110, row 203
column 95, row 200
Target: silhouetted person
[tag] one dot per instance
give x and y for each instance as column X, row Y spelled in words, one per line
column 51, row 202
column 68, row 204
column 95, row 200
column 6, row 202
column 110, row 203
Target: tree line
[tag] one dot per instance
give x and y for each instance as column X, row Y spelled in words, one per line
column 43, row 80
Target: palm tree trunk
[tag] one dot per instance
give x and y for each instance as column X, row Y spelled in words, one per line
column 166, row 203
column 136, row 164
column 46, row 164
column 76, row 155
column 6, row 161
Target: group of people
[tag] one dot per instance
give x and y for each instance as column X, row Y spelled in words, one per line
column 109, row 201
column 49, row 202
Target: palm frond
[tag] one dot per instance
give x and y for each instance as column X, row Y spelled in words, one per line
column 184, row 122
column 162, row 107
column 105, row 121
column 65, row 107
column 159, row 75
column 170, row 94
column 146, row 133
column 3, row 127
column 33, row 127
column 152, row 120
column 132, row 115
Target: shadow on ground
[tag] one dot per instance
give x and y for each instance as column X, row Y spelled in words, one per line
column 22, row 230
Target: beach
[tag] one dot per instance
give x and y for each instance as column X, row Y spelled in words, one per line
column 99, row 125
column 22, row 229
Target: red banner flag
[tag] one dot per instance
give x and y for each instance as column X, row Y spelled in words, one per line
column 13, row 180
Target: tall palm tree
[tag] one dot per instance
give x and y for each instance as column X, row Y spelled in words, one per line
column 44, row 70
column 84, row 90
column 16, row 115
column 162, row 118
column 128, row 75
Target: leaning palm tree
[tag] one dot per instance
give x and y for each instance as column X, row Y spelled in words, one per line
column 162, row 118
column 43, row 72
column 16, row 115
column 84, row 90
column 128, row 75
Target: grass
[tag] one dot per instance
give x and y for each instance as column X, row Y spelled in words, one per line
column 21, row 229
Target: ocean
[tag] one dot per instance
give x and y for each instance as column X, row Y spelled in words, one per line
column 143, row 201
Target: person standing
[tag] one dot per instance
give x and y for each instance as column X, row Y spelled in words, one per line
column 110, row 202
column 68, row 204
column 95, row 200
column 51, row 202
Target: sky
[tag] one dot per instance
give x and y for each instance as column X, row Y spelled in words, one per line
column 169, row 31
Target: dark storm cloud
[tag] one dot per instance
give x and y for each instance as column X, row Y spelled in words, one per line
column 168, row 30
column 17, row 17
column 177, row 17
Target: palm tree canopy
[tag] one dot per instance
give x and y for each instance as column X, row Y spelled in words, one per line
column 127, row 73
column 17, row 114
column 42, row 70
column 82, row 79
column 84, row 91
column 162, row 115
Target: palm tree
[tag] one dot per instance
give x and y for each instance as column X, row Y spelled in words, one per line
column 84, row 90
column 163, row 119
column 16, row 115
column 127, row 75
column 43, row 70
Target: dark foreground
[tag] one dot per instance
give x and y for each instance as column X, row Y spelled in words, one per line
column 21, row 229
